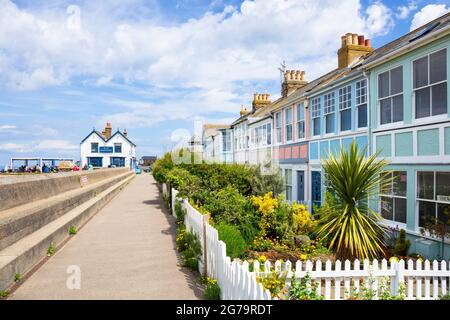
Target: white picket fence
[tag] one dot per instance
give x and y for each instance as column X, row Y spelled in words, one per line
column 334, row 281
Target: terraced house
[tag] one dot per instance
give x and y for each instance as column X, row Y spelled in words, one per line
column 392, row 100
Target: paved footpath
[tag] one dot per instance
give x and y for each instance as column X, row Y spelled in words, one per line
column 127, row 251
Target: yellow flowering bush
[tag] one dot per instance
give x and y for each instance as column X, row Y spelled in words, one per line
column 266, row 206
column 275, row 282
column 303, row 224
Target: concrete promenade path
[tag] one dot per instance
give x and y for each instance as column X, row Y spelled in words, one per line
column 126, row 251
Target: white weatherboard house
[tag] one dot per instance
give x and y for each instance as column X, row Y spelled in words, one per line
column 105, row 149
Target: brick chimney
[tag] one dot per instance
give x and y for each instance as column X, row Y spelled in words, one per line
column 107, row 132
column 260, row 100
column 353, row 46
column 293, row 79
column 243, row 111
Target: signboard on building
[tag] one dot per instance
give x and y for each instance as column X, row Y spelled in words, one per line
column 106, row 149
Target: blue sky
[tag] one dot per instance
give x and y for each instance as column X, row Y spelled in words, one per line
column 156, row 66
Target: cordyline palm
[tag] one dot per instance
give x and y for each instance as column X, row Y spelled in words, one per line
column 351, row 228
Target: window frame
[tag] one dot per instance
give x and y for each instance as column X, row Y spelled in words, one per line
column 359, row 104
column 288, row 125
column 434, row 200
column 288, row 186
column 278, row 130
column 347, row 103
column 390, row 97
column 315, row 114
column 115, row 147
column 300, row 121
column 92, row 144
column 414, row 90
column 393, row 197
column 329, row 109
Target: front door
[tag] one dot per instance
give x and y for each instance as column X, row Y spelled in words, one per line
column 316, row 190
column 300, row 186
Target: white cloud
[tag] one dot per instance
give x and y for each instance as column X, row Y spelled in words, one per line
column 13, row 147
column 44, row 145
column 217, row 60
column 60, row 145
column 379, row 18
column 404, row 11
column 427, row 14
column 7, row 127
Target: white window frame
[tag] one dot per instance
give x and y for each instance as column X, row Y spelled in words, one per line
column 361, row 99
column 345, row 104
column 329, row 108
column 288, row 125
column 278, row 130
column 315, row 113
column 393, row 197
column 290, row 186
column 299, row 122
column 391, row 97
column 417, row 199
column 413, row 102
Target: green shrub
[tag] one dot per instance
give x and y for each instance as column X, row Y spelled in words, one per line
column 51, row 249
column 161, row 167
column 230, row 207
column 212, row 289
column 193, row 251
column 232, row 237
column 402, row 244
column 303, row 289
column 72, row 230
column 186, row 184
column 267, row 179
column 179, row 212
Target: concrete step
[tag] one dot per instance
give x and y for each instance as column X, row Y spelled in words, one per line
column 20, row 221
column 21, row 256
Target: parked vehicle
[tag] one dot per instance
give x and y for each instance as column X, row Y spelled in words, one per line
column 138, row 170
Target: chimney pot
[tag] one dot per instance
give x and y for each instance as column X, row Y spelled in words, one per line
column 349, row 38
column 361, row 40
column 343, row 41
column 355, row 38
column 367, row 43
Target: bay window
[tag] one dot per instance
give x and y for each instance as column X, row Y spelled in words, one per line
column 269, row 134
column 390, row 95
column 430, row 84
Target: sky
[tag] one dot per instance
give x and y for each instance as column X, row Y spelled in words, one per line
column 155, row 67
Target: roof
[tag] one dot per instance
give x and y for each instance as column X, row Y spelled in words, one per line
column 106, row 140
column 148, row 157
column 210, row 129
column 428, row 29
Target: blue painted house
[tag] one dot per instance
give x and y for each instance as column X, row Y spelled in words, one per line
column 410, row 126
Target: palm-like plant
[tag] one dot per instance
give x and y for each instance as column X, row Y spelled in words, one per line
column 351, row 228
